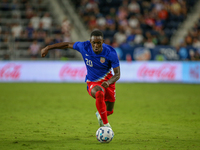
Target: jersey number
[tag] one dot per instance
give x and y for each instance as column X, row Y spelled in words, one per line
column 88, row 62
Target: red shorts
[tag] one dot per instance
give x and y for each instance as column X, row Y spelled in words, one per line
column 109, row 92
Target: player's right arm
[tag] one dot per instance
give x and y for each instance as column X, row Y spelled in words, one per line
column 62, row 45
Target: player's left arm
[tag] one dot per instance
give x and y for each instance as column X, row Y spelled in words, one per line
column 113, row 79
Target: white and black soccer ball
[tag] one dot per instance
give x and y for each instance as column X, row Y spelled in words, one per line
column 104, row 134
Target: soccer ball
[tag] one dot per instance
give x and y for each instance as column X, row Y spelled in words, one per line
column 104, row 134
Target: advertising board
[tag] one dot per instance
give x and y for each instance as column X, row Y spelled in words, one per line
column 75, row 71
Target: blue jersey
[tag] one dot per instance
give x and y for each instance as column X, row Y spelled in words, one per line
column 98, row 65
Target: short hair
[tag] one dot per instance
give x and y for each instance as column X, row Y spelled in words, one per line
column 96, row 33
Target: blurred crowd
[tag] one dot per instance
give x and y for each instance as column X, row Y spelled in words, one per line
column 138, row 22
column 27, row 25
column 30, row 26
column 192, row 39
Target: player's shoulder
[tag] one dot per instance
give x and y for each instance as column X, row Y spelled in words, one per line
column 81, row 46
column 109, row 49
column 83, row 43
column 86, row 43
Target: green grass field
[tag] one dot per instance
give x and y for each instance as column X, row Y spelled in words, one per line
column 61, row 116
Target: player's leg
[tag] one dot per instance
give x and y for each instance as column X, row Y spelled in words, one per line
column 98, row 93
column 110, row 107
column 110, row 102
column 90, row 85
column 110, row 99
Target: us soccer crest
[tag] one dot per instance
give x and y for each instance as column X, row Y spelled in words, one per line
column 102, row 59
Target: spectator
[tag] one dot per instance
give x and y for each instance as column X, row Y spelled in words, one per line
column 122, row 13
column 125, row 3
column 133, row 22
column 134, row 7
column 101, row 21
column 138, row 37
column 175, row 6
column 67, row 37
column 196, row 43
column 35, row 35
column 163, row 14
column 124, row 22
column 159, row 24
column 41, row 36
column 29, row 30
column 158, row 5
column 34, row 49
column 112, row 13
column 197, row 56
column 41, row 28
column 182, row 51
column 92, row 24
column 16, row 13
column 35, row 21
column 66, row 26
column 29, row 11
column 46, row 21
column 91, row 5
column 149, row 20
column 188, row 40
column 148, row 43
column 131, row 37
column 120, row 36
column 162, row 38
column 109, row 20
column 16, row 30
column 192, row 54
column 97, row 13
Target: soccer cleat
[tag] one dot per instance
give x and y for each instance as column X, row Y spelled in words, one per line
column 99, row 119
column 107, row 125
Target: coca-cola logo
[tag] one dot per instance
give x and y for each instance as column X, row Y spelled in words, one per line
column 72, row 72
column 10, row 71
column 165, row 71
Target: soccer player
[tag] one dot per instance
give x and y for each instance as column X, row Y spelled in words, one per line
column 99, row 59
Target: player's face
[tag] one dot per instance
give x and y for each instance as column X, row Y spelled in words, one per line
column 96, row 42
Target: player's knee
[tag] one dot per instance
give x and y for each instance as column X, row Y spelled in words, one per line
column 99, row 94
column 97, row 89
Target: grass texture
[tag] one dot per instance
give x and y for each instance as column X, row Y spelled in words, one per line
column 61, row 116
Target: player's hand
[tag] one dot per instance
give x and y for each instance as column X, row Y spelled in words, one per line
column 105, row 84
column 44, row 51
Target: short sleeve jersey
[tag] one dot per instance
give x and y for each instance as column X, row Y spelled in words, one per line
column 98, row 65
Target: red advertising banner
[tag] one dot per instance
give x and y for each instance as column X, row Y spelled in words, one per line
column 75, row 71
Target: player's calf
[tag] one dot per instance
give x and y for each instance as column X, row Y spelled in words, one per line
column 101, row 106
column 109, row 112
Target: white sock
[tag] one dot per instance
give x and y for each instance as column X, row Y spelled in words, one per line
column 107, row 125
